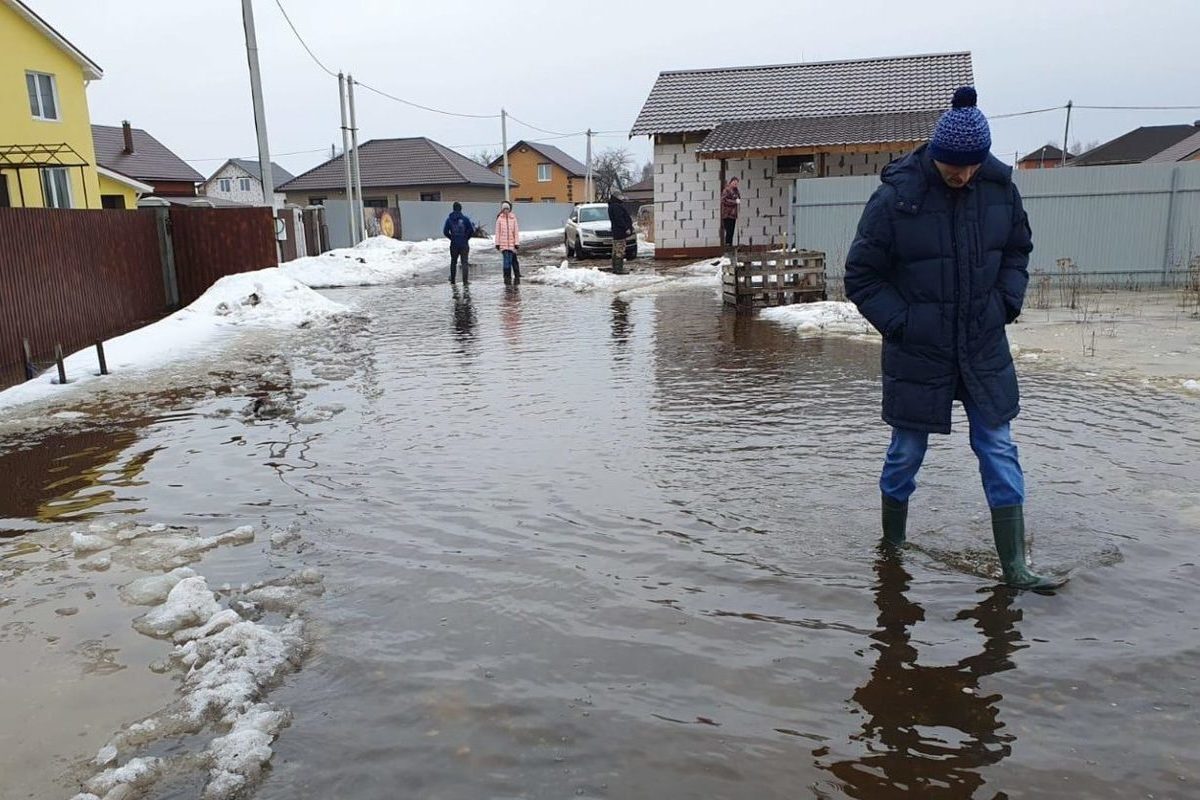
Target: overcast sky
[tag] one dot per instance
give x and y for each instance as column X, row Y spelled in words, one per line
column 178, row 68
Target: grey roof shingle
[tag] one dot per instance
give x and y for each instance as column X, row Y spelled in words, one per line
column 399, row 162
column 774, row 134
column 279, row 175
column 1046, row 152
column 1179, row 151
column 698, row 100
column 149, row 161
column 573, row 167
column 1136, row 146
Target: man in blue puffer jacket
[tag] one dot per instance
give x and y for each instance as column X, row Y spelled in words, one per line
column 938, row 266
column 459, row 229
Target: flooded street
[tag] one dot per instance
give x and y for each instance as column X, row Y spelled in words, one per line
column 624, row 546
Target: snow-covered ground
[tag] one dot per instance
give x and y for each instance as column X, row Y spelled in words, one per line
column 821, row 318
column 590, row 279
column 381, row 260
column 266, row 297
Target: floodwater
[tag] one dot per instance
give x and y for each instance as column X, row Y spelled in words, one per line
column 586, row 545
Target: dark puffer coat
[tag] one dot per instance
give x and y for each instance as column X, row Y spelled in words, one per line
column 940, row 272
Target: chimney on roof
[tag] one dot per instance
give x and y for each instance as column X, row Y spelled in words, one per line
column 128, row 133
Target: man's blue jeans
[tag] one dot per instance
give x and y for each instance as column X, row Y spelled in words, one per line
column 999, row 465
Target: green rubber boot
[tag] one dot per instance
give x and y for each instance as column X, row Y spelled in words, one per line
column 1008, row 529
column 895, row 519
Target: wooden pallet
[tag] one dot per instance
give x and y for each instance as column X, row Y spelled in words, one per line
column 774, row 278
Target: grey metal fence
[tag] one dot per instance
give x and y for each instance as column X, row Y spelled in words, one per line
column 421, row 220
column 1137, row 223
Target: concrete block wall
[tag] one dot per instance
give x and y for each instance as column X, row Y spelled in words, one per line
column 841, row 165
column 687, row 197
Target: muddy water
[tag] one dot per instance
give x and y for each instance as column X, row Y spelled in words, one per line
column 578, row 545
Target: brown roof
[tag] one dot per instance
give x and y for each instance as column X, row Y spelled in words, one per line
column 150, row 160
column 1046, row 152
column 771, row 134
column 1136, row 146
column 698, row 100
column 417, row 161
column 1178, row 152
column 573, row 167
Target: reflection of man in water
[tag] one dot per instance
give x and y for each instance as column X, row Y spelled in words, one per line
column 928, row 731
column 621, row 326
column 464, row 312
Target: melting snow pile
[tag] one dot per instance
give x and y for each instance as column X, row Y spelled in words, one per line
column 266, row 297
column 821, row 318
column 588, row 279
column 229, row 654
column 373, row 261
column 1192, row 386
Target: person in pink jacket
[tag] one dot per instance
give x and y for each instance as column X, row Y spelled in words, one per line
column 508, row 241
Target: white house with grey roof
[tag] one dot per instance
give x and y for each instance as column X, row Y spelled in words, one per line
column 772, row 125
column 240, row 180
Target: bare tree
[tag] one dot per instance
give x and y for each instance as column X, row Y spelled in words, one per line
column 1079, row 148
column 487, row 155
column 612, row 169
column 648, row 170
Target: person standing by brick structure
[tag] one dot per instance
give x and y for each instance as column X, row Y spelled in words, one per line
column 939, row 267
column 731, row 198
column 622, row 229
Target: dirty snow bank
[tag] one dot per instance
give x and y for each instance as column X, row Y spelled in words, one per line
column 230, row 655
column 815, row 319
column 380, row 259
column 266, row 297
column 590, row 279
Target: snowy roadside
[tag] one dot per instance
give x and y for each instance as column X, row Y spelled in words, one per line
column 264, row 298
column 590, row 279
column 380, row 260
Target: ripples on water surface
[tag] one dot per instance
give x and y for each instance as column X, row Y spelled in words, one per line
column 579, row 545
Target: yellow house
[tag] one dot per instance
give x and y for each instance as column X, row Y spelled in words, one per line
column 47, row 159
column 544, row 173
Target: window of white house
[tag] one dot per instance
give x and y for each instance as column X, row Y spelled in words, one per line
column 225, row 184
column 543, row 173
column 244, row 184
column 43, row 95
column 56, row 187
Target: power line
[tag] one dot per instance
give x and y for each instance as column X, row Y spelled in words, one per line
column 304, row 44
column 543, row 130
column 1140, row 108
column 382, row 93
column 255, row 158
column 1027, row 113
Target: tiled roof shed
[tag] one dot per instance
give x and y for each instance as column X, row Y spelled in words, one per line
column 689, row 101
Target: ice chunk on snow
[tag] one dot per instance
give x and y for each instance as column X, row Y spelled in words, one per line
column 83, row 543
column 229, row 668
column 154, row 589
column 97, row 563
column 217, row 622
column 137, row 772
column 1192, row 386
column 240, row 535
column 106, row 756
column 591, row 279
column 239, row 756
column 820, row 318
column 283, row 538
column 277, row 598
column 189, row 604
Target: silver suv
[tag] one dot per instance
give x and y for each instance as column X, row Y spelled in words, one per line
column 589, row 233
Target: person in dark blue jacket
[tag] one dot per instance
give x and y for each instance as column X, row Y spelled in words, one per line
column 939, row 267
column 459, row 229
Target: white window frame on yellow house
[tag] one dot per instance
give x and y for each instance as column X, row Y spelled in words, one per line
column 33, row 78
column 52, row 191
column 548, row 172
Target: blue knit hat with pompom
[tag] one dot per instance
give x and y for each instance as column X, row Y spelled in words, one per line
column 962, row 136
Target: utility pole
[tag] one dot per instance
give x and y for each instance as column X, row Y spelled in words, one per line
column 587, row 181
column 358, row 217
column 504, row 144
column 346, row 160
column 1067, row 133
column 260, row 116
